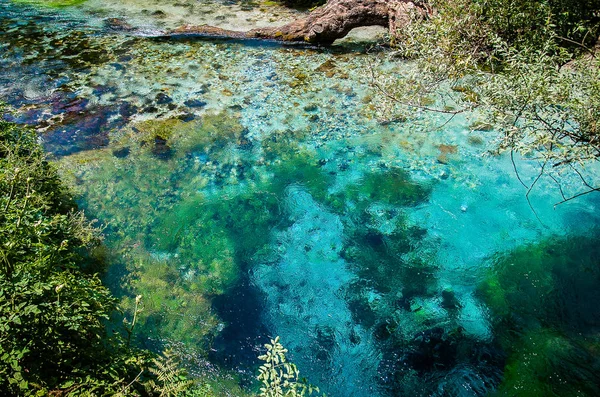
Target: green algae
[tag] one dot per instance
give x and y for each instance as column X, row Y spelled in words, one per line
column 181, row 245
column 172, row 309
column 392, row 186
column 213, row 132
column 534, row 281
column 548, row 292
column 296, row 166
column 52, row 3
column 546, row 363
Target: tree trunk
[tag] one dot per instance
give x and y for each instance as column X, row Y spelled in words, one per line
column 325, row 24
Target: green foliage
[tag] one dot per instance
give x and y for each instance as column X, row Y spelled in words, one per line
column 52, row 310
column 170, row 380
column 280, row 378
column 545, row 111
column 526, row 66
column 464, row 34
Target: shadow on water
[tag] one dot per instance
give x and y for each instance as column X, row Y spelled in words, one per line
column 240, row 342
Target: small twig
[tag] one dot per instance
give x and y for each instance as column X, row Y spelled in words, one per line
column 591, row 51
column 597, row 189
column 585, row 182
column 530, row 189
column 447, row 121
column 134, row 380
column 562, row 193
column 581, row 176
column 512, row 159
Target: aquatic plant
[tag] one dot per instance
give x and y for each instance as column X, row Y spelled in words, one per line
column 546, row 291
column 51, row 3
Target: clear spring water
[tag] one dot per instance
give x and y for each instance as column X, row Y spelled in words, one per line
column 248, row 190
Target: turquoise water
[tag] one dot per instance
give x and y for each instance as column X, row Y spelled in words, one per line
column 250, row 190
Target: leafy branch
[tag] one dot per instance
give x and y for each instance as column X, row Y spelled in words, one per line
column 279, row 377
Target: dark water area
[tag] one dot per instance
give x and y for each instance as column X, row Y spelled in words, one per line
column 249, row 191
column 236, row 345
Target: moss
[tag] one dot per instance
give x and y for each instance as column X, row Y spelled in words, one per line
column 390, row 186
column 171, row 311
column 544, row 302
column 545, row 363
column 52, row 3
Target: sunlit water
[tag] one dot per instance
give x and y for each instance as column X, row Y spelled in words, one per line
column 248, row 190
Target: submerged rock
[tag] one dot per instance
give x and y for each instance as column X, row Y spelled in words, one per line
column 118, row 24
column 163, row 99
column 194, row 103
column 446, row 151
column 161, row 149
column 121, row 152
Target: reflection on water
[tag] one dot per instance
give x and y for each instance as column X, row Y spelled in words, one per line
column 249, row 191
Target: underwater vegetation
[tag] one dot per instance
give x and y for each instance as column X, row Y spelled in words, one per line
column 180, row 244
column 51, row 3
column 183, row 245
column 544, row 302
column 199, row 211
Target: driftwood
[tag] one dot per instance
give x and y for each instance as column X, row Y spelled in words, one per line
column 324, row 25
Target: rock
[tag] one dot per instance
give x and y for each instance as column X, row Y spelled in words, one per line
column 126, row 110
column 327, row 67
column 445, row 151
column 186, row 117
column 163, row 99
column 194, row 103
column 118, row 24
column 121, row 152
column 150, row 109
column 475, row 140
column 160, row 148
column 481, row 126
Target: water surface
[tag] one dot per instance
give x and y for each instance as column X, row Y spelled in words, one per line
column 250, row 190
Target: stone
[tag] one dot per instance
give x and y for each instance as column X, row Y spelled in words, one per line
column 163, row 99
column 121, row 152
column 194, row 103
column 160, row 148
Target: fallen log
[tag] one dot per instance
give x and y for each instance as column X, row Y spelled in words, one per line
column 324, row 25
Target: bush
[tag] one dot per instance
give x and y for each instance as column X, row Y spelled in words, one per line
column 52, row 307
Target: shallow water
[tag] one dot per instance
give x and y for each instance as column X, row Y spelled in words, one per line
column 248, row 190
